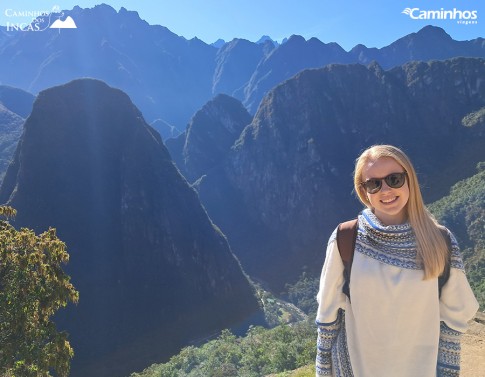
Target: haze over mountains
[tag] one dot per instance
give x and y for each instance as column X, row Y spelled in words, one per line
column 170, row 78
column 272, row 133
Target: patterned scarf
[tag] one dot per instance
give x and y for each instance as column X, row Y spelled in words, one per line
column 393, row 244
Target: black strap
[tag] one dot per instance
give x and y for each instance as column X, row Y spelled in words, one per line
column 346, row 236
column 445, row 275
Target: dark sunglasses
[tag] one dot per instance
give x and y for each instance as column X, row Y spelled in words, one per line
column 393, row 180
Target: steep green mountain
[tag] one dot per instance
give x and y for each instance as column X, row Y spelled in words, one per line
column 152, row 270
column 287, row 181
column 209, row 136
column 463, row 211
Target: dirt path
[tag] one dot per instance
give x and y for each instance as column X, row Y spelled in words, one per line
column 473, row 349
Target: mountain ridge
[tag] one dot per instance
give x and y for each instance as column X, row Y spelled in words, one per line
column 170, row 77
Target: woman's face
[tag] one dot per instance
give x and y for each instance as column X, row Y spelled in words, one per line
column 389, row 204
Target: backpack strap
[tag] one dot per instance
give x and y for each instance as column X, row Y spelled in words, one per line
column 445, row 275
column 346, row 236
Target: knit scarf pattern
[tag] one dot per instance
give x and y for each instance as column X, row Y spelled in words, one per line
column 394, row 245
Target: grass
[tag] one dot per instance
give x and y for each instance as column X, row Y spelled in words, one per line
column 307, row 371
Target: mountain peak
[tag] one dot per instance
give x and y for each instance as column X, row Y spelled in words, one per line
column 213, row 129
column 295, row 38
column 265, row 39
column 219, row 43
column 429, row 37
column 104, row 9
column 434, row 31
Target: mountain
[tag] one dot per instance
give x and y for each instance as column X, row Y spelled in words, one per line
column 155, row 66
column 287, row 60
column 430, row 43
column 16, row 100
column 152, row 270
column 235, row 63
column 10, row 131
column 15, row 106
column 286, row 182
column 219, row 43
column 169, row 77
column 266, row 38
column 209, row 136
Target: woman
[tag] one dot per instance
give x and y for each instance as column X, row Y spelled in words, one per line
column 396, row 322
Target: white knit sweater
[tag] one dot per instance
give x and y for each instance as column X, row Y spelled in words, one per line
column 396, row 324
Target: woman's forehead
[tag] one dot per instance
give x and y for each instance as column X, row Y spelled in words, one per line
column 381, row 167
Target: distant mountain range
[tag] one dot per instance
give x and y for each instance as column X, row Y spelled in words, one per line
column 170, row 78
column 152, row 270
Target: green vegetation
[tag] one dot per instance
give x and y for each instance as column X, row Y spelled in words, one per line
column 276, row 311
column 33, row 287
column 304, row 292
column 463, row 211
column 307, row 371
column 261, row 352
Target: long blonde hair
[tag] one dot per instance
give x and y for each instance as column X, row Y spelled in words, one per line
column 432, row 248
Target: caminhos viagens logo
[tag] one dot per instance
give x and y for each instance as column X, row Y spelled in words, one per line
column 466, row 17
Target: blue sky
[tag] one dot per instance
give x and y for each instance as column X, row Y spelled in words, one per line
column 375, row 23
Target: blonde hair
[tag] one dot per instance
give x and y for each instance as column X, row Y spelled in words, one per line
column 432, row 248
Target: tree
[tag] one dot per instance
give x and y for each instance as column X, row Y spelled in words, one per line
column 33, row 287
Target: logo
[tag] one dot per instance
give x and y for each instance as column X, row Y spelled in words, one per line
column 38, row 20
column 466, row 17
column 68, row 23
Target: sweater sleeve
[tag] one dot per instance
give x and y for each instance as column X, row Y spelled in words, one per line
column 331, row 301
column 330, row 296
column 458, row 305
